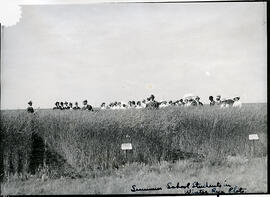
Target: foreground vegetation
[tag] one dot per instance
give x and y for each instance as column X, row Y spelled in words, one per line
column 250, row 175
column 80, row 143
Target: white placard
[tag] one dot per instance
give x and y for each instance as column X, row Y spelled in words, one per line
column 253, row 137
column 126, row 146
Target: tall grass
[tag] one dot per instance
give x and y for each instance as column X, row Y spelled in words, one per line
column 92, row 140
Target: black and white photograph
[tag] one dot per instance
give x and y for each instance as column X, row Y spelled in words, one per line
column 133, row 98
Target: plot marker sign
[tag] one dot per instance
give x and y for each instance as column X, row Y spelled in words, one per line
column 126, row 146
column 253, row 137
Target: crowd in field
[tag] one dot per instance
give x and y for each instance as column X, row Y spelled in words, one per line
column 150, row 102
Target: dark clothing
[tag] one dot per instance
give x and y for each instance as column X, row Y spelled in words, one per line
column 56, row 107
column 87, row 107
column 229, row 102
column 30, row 109
column 152, row 105
column 76, row 108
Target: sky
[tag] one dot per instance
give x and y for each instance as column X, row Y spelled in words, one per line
column 126, row 51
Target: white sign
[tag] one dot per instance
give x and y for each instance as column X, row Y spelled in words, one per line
column 253, row 137
column 126, row 146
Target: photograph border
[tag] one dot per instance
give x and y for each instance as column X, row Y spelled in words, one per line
column 71, row 2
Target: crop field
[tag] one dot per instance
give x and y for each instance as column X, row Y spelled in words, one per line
column 76, row 149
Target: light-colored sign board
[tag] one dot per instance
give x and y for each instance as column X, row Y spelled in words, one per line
column 126, row 146
column 253, row 137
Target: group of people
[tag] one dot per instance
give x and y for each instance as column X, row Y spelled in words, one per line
column 224, row 103
column 184, row 102
column 149, row 102
column 69, row 106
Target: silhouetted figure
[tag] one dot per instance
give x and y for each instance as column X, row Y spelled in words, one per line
column 103, row 106
column 62, row 106
column 66, row 105
column 57, row 106
column 76, row 106
column 70, row 105
column 30, row 109
column 212, row 102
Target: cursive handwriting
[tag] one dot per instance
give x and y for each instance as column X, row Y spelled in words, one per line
column 135, row 189
column 170, row 186
column 197, row 188
column 196, row 184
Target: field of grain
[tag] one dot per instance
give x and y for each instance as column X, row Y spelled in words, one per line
column 86, row 146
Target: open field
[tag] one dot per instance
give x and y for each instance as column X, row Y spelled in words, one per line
column 171, row 144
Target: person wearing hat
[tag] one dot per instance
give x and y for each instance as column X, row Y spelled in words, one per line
column 76, row 106
column 212, row 102
column 237, row 103
column 57, row 106
column 86, row 106
column 218, row 100
column 30, row 109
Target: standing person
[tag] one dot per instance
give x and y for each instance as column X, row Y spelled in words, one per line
column 193, row 102
column 103, row 106
column 66, row 105
column 218, row 100
column 143, row 104
column 76, row 106
column 229, row 102
column 181, row 102
column 139, row 105
column 199, row 103
column 133, row 104
column 237, row 103
column 86, row 106
column 124, row 106
column 152, row 97
column 212, row 102
column 186, row 103
column 70, row 105
column 30, row 109
column 62, row 106
column 223, row 103
column 57, row 106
